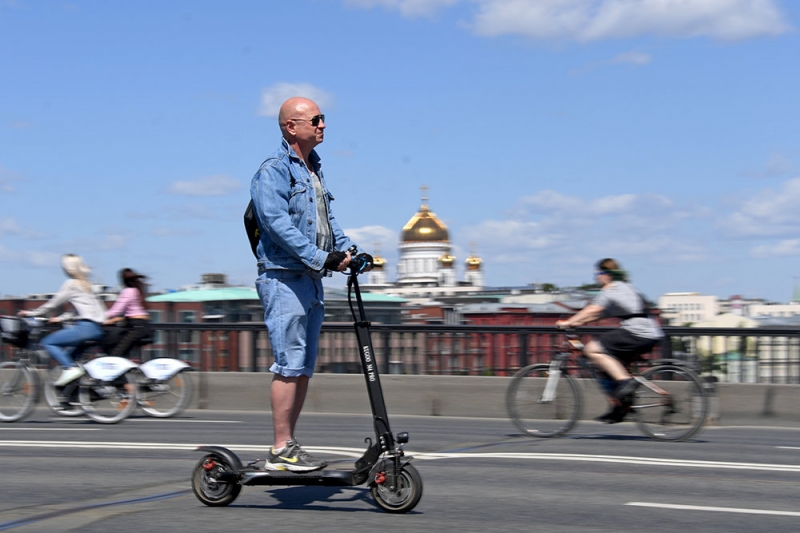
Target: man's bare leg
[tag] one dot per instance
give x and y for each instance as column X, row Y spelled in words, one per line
column 287, row 395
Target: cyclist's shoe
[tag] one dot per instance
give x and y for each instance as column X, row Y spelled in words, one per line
column 69, row 375
column 609, row 415
column 615, row 415
column 625, row 390
column 292, row 458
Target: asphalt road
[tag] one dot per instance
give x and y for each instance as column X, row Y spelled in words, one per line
column 479, row 475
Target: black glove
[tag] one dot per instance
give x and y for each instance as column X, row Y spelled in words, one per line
column 333, row 260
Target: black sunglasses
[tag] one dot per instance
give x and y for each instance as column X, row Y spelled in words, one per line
column 315, row 120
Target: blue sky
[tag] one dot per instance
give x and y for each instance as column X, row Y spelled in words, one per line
column 664, row 133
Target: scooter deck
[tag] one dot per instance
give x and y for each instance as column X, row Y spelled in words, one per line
column 325, row 478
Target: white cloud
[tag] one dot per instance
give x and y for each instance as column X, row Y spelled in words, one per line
column 407, row 8
column 549, row 201
column 110, row 241
column 217, row 185
column 777, row 165
column 9, row 226
column 32, row 258
column 273, row 97
column 788, row 247
column 634, row 58
column 588, row 20
column 554, row 232
column 767, row 212
column 374, row 239
column 7, row 180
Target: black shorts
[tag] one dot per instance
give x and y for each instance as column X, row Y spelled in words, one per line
column 624, row 345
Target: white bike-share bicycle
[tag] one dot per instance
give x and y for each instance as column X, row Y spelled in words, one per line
column 108, row 393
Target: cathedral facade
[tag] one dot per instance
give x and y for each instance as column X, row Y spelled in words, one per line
column 426, row 266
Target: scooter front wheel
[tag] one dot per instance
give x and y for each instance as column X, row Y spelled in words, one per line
column 208, row 485
column 406, row 493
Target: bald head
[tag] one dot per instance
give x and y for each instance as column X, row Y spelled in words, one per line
column 302, row 124
column 294, row 107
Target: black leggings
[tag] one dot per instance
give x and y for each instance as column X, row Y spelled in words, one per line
column 136, row 332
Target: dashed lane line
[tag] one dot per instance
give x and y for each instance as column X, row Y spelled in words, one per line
column 713, row 509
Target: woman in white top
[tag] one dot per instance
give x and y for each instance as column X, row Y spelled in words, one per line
column 91, row 313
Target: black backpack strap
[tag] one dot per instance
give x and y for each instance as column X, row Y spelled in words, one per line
column 645, row 310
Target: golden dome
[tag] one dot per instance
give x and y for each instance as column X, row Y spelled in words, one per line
column 447, row 260
column 473, row 262
column 425, row 226
column 378, row 262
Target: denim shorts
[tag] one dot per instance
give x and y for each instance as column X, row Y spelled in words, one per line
column 293, row 313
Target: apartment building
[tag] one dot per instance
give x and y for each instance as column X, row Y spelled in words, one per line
column 684, row 308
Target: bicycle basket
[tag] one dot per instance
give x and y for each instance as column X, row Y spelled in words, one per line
column 14, row 331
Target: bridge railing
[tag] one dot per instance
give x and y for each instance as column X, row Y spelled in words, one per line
column 735, row 355
column 738, row 355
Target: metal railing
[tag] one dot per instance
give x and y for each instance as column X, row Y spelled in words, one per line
column 740, row 355
column 737, row 355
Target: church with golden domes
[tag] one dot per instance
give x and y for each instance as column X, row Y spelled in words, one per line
column 426, row 267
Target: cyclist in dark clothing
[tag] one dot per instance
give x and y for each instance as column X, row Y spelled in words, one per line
column 616, row 349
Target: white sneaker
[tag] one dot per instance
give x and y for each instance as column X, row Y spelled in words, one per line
column 67, row 376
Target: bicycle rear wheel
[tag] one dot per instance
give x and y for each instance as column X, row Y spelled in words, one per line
column 533, row 413
column 675, row 412
column 19, row 391
column 108, row 402
column 165, row 398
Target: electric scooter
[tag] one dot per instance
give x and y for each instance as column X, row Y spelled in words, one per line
column 395, row 484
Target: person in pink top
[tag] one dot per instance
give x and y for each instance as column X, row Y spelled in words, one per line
column 130, row 310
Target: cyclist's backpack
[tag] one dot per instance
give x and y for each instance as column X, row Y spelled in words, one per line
column 251, row 227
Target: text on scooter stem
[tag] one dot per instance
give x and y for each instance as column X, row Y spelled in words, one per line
column 368, row 362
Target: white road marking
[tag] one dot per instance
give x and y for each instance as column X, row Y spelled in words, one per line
column 714, row 509
column 358, row 452
column 185, row 420
column 50, row 429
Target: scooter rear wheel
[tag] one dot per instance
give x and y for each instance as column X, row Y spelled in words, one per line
column 206, row 484
column 405, row 495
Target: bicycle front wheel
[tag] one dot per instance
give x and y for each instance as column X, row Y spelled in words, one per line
column 108, row 402
column 165, row 398
column 673, row 406
column 19, row 391
column 539, row 410
column 58, row 404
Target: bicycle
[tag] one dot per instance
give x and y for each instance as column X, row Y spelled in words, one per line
column 544, row 400
column 20, row 386
column 162, row 389
column 111, row 390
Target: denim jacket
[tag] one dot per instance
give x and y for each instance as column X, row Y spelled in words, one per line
column 285, row 205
